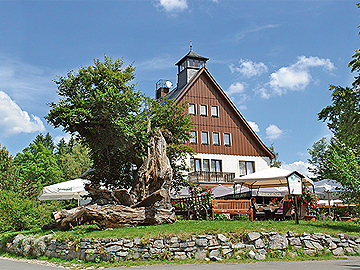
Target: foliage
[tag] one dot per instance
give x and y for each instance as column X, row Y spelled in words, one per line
column 344, row 166
column 37, row 166
column 74, row 162
column 114, row 120
column 21, row 213
column 339, row 160
column 343, row 115
column 318, row 154
column 307, row 197
column 6, row 169
column 275, row 162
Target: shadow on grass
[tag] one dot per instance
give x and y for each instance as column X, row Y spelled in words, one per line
column 341, row 226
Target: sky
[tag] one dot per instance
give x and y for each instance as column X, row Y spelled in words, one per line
column 274, row 59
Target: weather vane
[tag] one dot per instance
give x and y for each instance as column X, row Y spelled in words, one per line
column 190, row 45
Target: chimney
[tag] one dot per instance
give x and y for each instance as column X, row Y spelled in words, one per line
column 162, row 88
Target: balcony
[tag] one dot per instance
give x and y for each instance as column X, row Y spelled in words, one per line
column 211, row 177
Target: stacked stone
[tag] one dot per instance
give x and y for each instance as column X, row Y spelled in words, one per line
column 209, row 247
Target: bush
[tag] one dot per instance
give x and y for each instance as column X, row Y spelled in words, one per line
column 19, row 213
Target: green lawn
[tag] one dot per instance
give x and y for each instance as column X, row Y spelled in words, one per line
column 186, row 228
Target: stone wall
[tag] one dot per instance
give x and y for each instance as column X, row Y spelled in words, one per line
column 209, row 247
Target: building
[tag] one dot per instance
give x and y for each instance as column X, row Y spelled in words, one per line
column 225, row 145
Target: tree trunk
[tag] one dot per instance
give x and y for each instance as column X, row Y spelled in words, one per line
column 111, row 216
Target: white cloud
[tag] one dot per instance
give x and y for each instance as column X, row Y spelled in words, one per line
column 254, row 29
column 299, row 166
column 254, row 126
column 28, row 85
column 236, row 88
column 156, row 63
column 13, row 120
column 66, row 137
column 249, row 68
column 263, row 92
column 273, row 132
column 173, row 6
column 237, row 91
column 297, row 76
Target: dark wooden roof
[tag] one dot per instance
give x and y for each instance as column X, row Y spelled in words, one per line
column 245, row 140
column 192, row 55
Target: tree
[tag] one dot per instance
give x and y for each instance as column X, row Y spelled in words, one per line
column 6, row 170
column 275, row 162
column 73, row 159
column 339, row 160
column 343, row 165
column 37, row 166
column 317, row 160
column 114, row 120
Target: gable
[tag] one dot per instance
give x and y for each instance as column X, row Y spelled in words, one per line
column 203, row 90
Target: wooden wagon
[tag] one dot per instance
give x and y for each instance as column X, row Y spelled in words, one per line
column 195, row 207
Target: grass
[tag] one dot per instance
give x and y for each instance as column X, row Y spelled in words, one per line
column 186, row 228
column 78, row 264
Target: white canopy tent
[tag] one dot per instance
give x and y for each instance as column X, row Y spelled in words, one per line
column 73, row 189
column 273, row 177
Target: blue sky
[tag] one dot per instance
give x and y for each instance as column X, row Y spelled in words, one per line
column 275, row 59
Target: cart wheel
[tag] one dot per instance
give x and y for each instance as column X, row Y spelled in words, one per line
column 198, row 212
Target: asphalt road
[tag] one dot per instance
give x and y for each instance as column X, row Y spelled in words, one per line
column 352, row 263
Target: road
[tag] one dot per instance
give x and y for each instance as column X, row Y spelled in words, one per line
column 352, row 263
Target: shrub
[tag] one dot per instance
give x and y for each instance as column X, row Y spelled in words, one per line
column 21, row 213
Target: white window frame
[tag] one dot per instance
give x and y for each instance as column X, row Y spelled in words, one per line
column 192, row 105
column 207, row 137
column 202, row 111
column 216, row 168
column 216, row 114
column 193, row 139
column 225, row 135
column 245, row 166
column 195, row 164
column 206, row 167
column 219, row 140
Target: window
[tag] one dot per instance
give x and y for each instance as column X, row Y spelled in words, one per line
column 204, row 137
column 193, row 137
column 246, row 167
column 215, row 111
column 195, row 164
column 216, row 165
column 227, row 139
column 216, row 138
column 206, row 165
column 203, row 110
column 192, row 109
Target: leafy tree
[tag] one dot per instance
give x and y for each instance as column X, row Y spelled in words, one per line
column 317, row 160
column 339, row 160
column 114, row 120
column 343, row 165
column 343, row 115
column 74, row 162
column 7, row 170
column 37, row 166
column 275, row 162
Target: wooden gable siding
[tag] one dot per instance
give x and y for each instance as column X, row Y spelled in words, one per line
column 243, row 142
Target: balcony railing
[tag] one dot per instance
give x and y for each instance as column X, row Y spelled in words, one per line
column 211, row 177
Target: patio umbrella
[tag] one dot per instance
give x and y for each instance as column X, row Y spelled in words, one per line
column 72, row 189
column 273, row 177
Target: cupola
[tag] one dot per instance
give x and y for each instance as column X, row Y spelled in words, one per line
column 188, row 66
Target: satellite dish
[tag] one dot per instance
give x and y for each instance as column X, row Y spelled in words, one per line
column 168, row 84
